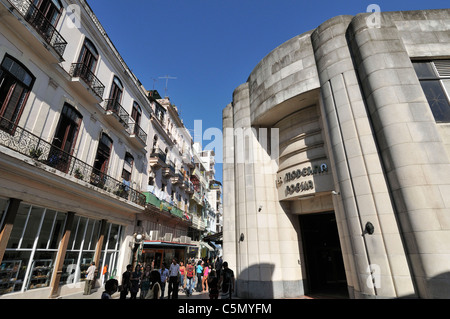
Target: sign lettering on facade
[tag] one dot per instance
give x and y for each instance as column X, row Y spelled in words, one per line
column 299, row 173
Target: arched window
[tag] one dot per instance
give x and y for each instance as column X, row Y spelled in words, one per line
column 136, row 114
column 16, row 82
column 88, row 55
column 116, row 90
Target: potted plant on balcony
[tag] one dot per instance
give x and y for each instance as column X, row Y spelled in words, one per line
column 35, row 153
column 78, row 174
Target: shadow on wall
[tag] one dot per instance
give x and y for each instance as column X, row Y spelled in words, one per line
column 256, row 282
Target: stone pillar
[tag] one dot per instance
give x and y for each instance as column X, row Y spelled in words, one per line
column 5, row 231
column 98, row 250
column 59, row 262
column 376, row 265
column 229, row 205
column 414, row 156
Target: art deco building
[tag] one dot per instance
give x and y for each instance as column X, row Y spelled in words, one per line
column 337, row 162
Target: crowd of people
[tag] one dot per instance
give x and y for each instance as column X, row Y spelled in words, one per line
column 200, row 275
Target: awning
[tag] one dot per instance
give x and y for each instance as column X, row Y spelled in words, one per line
column 214, row 237
column 207, row 246
column 217, row 246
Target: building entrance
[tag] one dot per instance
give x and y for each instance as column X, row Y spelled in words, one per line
column 323, row 256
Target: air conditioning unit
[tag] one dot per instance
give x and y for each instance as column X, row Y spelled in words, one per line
column 185, row 239
column 154, row 234
column 168, row 237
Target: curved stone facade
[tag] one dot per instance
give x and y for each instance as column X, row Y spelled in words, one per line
column 335, row 120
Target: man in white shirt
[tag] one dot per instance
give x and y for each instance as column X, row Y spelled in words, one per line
column 90, row 273
column 174, row 270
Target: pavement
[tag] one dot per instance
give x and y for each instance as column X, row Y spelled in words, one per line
column 97, row 294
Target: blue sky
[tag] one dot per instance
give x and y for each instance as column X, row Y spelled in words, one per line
column 212, row 46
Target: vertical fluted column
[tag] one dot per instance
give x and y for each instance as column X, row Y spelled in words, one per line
column 376, row 265
column 413, row 153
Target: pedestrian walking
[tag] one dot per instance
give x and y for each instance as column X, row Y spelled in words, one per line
column 145, row 281
column 90, row 274
column 110, row 289
column 126, row 282
column 199, row 271
column 226, row 282
column 206, row 272
column 182, row 276
column 164, row 272
column 155, row 285
column 174, row 273
column 218, row 266
column 213, row 282
column 189, row 278
column 135, row 281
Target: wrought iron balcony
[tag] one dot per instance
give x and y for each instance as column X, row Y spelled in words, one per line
column 32, row 146
column 169, row 170
column 82, row 71
column 135, row 130
column 113, row 106
column 157, row 158
column 41, row 24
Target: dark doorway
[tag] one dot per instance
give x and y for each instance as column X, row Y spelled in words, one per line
column 323, row 255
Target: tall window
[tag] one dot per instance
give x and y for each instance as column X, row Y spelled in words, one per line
column 15, row 85
column 65, row 138
column 136, row 114
column 127, row 167
column 102, row 160
column 51, row 10
column 88, row 55
column 116, row 90
column 67, row 129
column 434, row 78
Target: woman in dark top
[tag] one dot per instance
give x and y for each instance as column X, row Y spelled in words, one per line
column 135, row 281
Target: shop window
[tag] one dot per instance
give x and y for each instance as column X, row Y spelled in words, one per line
column 30, row 255
column 435, row 81
column 15, row 85
column 15, row 238
column 52, row 230
column 4, row 203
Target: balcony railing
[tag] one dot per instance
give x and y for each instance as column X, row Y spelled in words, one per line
column 158, row 153
column 112, row 105
column 81, row 70
column 32, row 146
column 41, row 24
column 136, row 130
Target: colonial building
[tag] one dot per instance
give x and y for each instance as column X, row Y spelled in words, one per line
column 337, row 162
column 93, row 167
column 74, row 122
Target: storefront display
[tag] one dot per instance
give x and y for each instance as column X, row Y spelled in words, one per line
column 30, row 256
column 9, row 272
column 41, row 274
